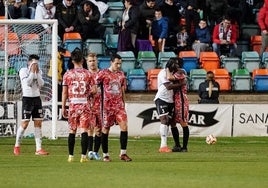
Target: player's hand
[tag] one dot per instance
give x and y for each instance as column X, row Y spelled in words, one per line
column 64, row 113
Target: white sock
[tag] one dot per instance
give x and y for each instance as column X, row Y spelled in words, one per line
column 105, row 154
column 38, row 138
column 19, row 136
column 163, row 135
column 123, row 151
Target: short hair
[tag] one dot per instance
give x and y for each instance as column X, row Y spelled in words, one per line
column 171, row 64
column 77, row 55
column 91, row 54
column 115, row 56
column 33, row 56
column 210, row 72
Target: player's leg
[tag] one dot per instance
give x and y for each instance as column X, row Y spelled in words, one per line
column 84, row 120
column 90, row 142
column 104, row 143
column 97, row 142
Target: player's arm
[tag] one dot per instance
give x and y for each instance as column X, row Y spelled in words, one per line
column 64, row 100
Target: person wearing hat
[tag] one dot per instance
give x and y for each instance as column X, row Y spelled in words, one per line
column 45, row 10
column 17, row 10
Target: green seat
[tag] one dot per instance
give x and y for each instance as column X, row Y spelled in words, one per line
column 147, row 60
column 240, row 72
column 241, row 80
column 196, row 77
column 198, row 72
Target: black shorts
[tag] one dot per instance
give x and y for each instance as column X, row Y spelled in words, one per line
column 32, row 107
column 164, row 108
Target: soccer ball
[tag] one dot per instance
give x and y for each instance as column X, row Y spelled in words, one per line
column 210, row 139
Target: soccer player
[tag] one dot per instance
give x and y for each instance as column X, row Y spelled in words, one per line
column 181, row 109
column 113, row 83
column 77, row 87
column 92, row 63
column 31, row 82
column 165, row 106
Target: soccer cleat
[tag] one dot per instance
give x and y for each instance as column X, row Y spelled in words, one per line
column 126, row 158
column 90, row 155
column 71, row 159
column 83, row 160
column 184, row 150
column 176, row 149
column 16, row 150
column 164, row 150
column 41, row 152
column 96, row 156
column 107, row 159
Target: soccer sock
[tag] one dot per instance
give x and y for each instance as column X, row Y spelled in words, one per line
column 175, row 134
column 185, row 136
column 97, row 143
column 163, row 135
column 71, row 143
column 104, row 142
column 90, row 143
column 38, row 138
column 123, row 139
column 84, row 143
column 19, row 135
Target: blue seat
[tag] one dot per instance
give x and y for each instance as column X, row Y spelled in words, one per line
column 94, row 45
column 136, row 80
column 18, row 61
column 128, row 60
column 190, row 63
column 250, row 60
column 196, row 77
column 115, row 9
column 230, row 63
column 260, row 79
column 163, row 57
column 72, row 41
column 111, row 42
column 104, row 62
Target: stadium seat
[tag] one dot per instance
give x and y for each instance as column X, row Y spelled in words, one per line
column 72, row 41
column 163, row 57
column 241, row 80
column 147, row 60
column 115, row 10
column 264, row 60
column 111, row 42
column 13, row 46
column 18, row 61
column 260, row 79
column 223, row 78
column 136, row 80
column 250, row 60
column 196, row 77
column 209, row 61
column 230, row 63
column 128, row 60
column 30, row 43
column 94, row 45
column 152, row 79
column 104, row 62
column 144, row 45
column 248, row 30
column 189, row 60
column 255, row 43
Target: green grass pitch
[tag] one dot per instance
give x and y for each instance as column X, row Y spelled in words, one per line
column 231, row 162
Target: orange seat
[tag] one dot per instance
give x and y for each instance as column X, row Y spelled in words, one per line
column 72, row 36
column 209, row 61
column 30, row 36
column 260, row 72
column 152, row 79
column 255, row 43
column 13, row 46
column 223, row 78
column 183, row 54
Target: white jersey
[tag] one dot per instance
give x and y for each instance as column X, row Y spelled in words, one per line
column 30, row 83
column 163, row 93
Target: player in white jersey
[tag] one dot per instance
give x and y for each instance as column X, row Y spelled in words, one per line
column 164, row 101
column 31, row 82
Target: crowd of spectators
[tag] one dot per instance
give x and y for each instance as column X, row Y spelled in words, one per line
column 185, row 18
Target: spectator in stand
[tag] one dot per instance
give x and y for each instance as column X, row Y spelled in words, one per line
column 159, row 31
column 45, row 10
column 17, row 9
column 129, row 27
column 171, row 11
column 216, row 9
column 147, row 13
column 88, row 16
column 182, row 40
column 66, row 13
column 191, row 16
column 224, row 38
column 208, row 91
column 263, row 23
column 2, row 8
column 202, row 38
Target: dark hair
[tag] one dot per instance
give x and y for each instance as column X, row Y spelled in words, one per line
column 171, row 64
column 77, row 55
column 33, row 56
column 115, row 56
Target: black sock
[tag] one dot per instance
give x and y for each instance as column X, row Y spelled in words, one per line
column 175, row 134
column 185, row 136
column 84, row 143
column 123, row 139
column 90, row 143
column 104, row 142
column 97, row 143
column 71, row 143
